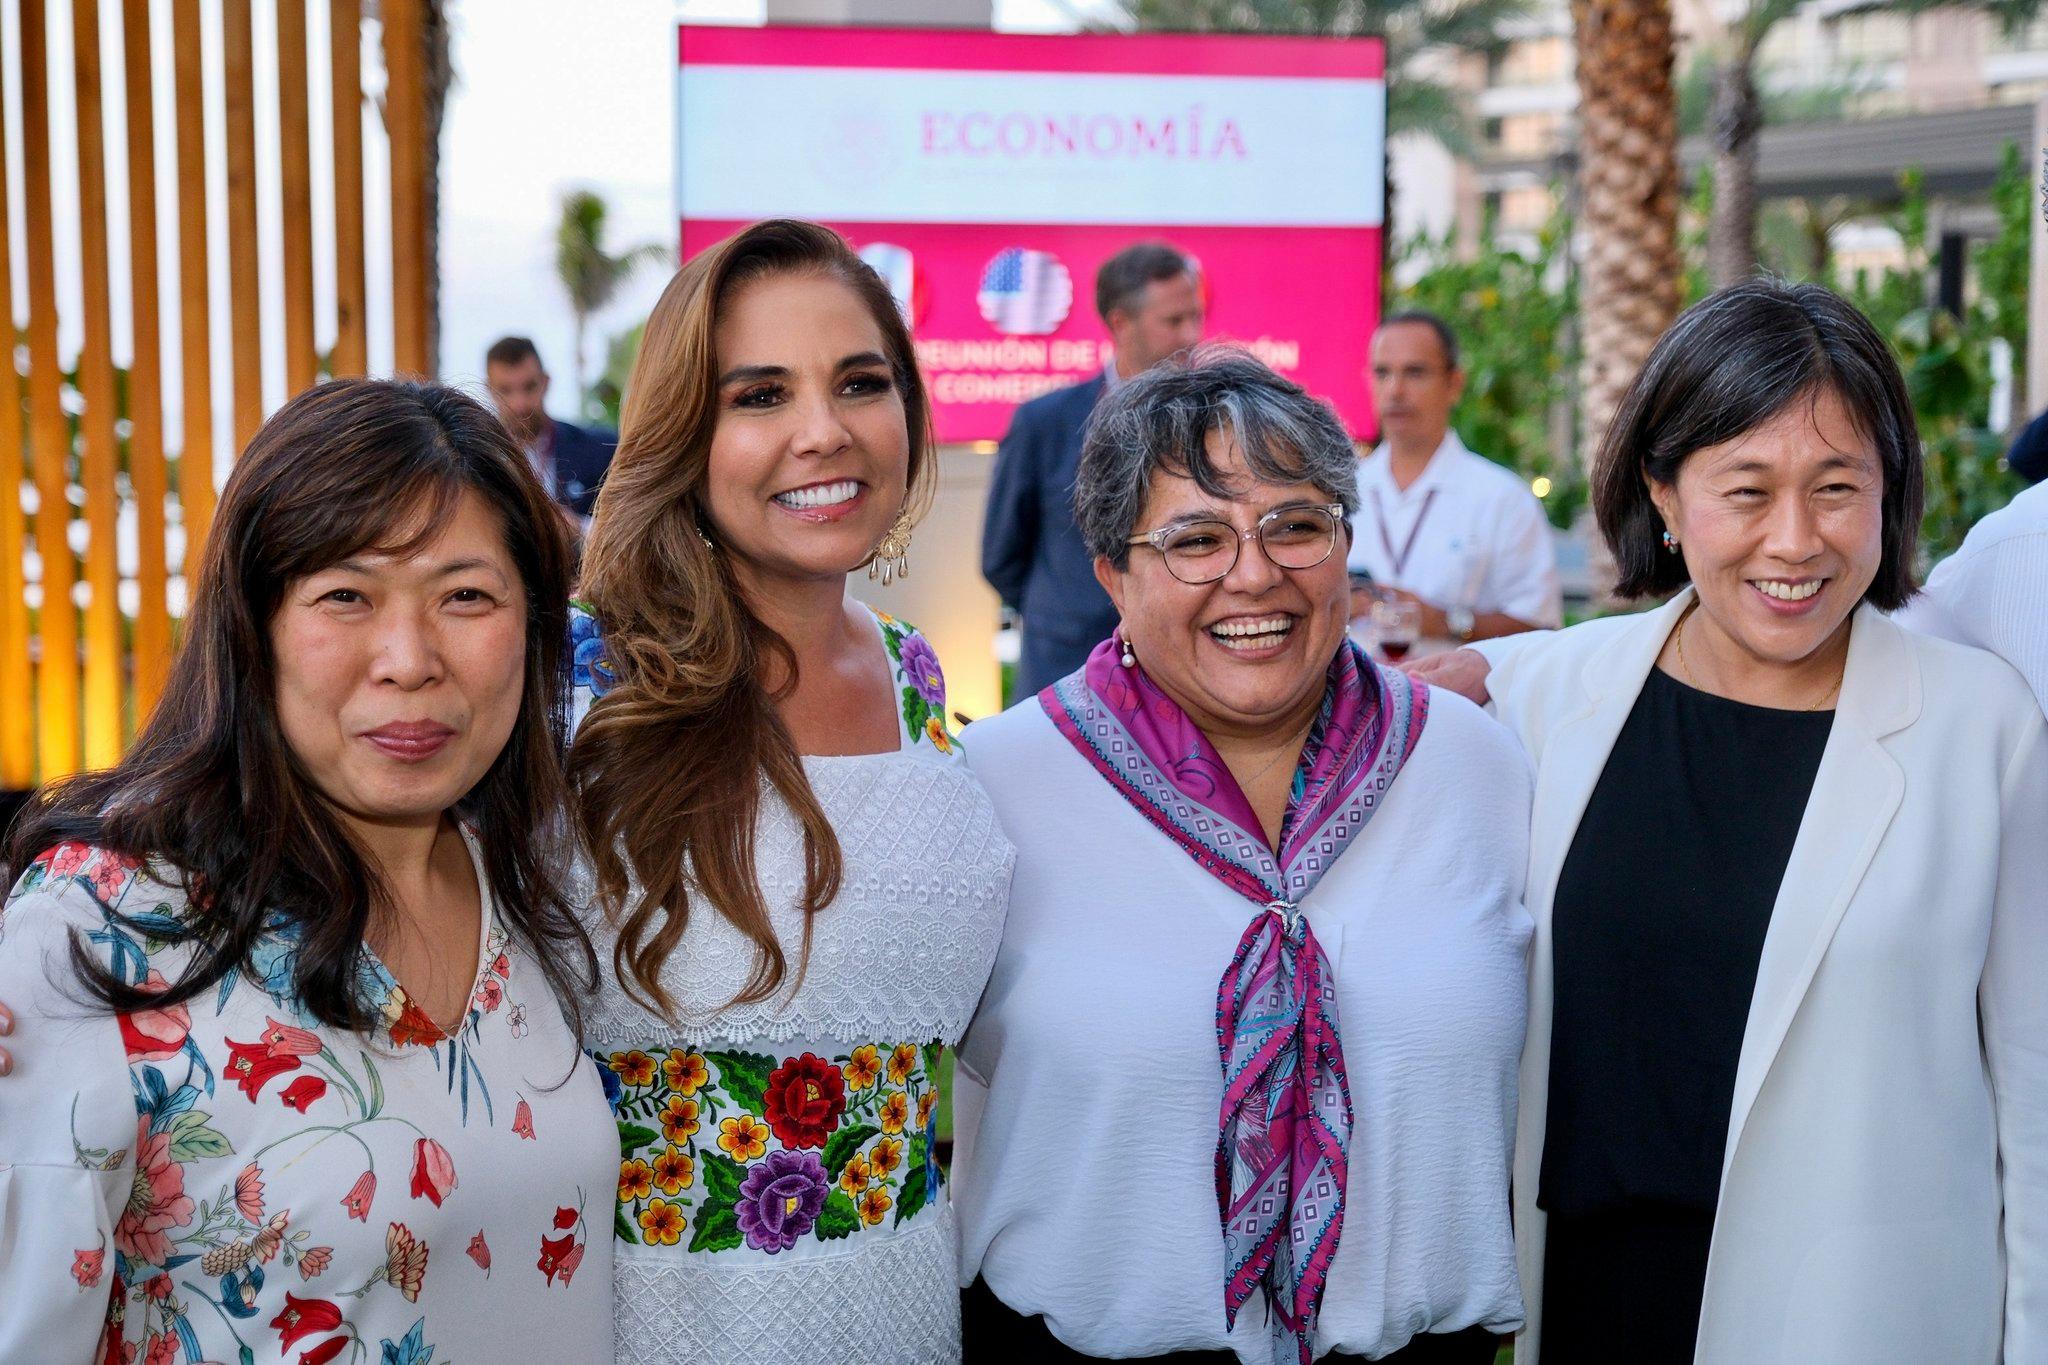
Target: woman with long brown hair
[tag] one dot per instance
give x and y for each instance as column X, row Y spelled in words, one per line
column 295, row 1065
column 802, row 883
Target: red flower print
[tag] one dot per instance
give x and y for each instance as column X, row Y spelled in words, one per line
column 162, row 1349
column 433, row 1171
column 157, row 1201
column 263, row 1246
column 252, row 1065
column 282, row 1040
column 313, row 1260
column 109, row 874
column 522, row 1120
column 153, row 1035
column 301, row 1093
column 565, row 1265
column 302, row 1318
column 565, row 1218
column 503, row 966
column 414, row 1027
column 157, row 1286
column 87, row 1265
column 249, row 1193
column 480, row 1251
column 357, row 1200
column 803, row 1102
column 66, row 859
column 325, row 1351
column 490, row 994
column 552, row 1250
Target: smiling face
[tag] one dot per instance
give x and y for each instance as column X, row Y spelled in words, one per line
column 810, row 455
column 399, row 679
column 1781, row 529
column 1244, row 656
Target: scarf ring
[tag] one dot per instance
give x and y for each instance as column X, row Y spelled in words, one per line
column 1284, row 1127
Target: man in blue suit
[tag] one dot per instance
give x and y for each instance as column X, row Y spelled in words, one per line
column 1150, row 298
column 570, row 460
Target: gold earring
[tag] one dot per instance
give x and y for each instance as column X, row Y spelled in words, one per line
column 891, row 560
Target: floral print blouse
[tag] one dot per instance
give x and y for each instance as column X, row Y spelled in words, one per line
column 227, row 1180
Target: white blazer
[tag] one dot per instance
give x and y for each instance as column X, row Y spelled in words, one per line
column 1884, row 1197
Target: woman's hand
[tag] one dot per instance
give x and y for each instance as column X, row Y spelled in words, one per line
column 1461, row 670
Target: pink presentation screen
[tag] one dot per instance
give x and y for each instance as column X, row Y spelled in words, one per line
column 988, row 176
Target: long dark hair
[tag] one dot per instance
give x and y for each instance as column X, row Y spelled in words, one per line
column 667, row 767
column 212, row 794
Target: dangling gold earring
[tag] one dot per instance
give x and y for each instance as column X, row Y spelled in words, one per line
column 892, row 556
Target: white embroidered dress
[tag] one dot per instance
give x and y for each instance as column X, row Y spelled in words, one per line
column 780, row 1196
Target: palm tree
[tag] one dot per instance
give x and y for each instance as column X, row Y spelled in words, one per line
column 1738, row 115
column 591, row 274
column 1628, row 196
column 1415, row 102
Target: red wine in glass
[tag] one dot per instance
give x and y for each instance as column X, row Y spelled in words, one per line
column 1396, row 650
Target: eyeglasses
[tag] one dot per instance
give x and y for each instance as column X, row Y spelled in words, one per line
column 1297, row 537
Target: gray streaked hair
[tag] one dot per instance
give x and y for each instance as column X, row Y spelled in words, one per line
column 1160, row 421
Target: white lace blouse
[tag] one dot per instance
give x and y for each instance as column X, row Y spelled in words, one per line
column 780, row 1197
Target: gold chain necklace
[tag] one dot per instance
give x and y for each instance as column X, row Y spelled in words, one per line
column 1686, row 668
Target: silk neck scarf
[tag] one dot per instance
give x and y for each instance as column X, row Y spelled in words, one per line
column 1284, row 1129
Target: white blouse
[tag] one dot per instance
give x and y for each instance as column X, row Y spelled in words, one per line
column 226, row 1179
column 1090, row 1082
column 780, row 1195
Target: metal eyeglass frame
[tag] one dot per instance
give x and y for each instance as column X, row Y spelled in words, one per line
column 1157, row 536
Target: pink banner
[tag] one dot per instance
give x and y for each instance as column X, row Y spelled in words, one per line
column 988, row 176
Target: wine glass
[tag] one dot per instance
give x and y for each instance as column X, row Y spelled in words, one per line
column 1395, row 625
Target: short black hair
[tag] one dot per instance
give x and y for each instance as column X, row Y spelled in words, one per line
column 1422, row 317
column 1122, row 281
column 1731, row 363
column 512, row 351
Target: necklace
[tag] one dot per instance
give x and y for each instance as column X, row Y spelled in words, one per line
column 1686, row 668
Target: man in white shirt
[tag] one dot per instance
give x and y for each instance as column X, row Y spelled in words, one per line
column 1457, row 534
column 1993, row 592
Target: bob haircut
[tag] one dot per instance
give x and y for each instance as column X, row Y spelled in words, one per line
column 1732, row 362
column 212, row 794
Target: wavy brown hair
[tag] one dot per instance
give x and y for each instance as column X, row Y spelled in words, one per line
column 213, row 793
column 667, row 768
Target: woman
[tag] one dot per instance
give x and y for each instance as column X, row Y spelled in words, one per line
column 296, row 1074
column 1312, row 1156
column 803, row 883
column 1785, row 1097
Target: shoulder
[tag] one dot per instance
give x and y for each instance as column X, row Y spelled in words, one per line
column 920, row 686
column 2021, row 526
column 1493, row 481
column 1458, row 728
column 1002, row 743
column 76, row 888
column 1952, row 674
column 1059, row 405
column 573, row 434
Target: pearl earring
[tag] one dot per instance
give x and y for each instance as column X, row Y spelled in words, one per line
column 1129, row 660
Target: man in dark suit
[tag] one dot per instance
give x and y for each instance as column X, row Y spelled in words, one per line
column 570, row 460
column 1150, row 298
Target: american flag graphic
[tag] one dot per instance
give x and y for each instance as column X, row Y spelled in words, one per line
column 1025, row 293
column 898, row 269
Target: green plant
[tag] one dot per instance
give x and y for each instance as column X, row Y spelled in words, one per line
column 1513, row 312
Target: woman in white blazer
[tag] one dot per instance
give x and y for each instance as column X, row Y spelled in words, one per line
column 1785, row 1092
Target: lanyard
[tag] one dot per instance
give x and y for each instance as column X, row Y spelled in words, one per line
column 1400, row 560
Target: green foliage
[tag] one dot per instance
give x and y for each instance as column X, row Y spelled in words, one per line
column 607, row 394
column 590, row 273
column 1947, row 358
column 1512, row 311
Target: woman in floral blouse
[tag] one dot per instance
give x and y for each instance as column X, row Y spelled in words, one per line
column 803, row 884
column 293, row 1081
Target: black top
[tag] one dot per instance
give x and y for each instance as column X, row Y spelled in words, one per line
column 1657, row 927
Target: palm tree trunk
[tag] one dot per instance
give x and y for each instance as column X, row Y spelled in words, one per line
column 1733, row 125
column 1628, row 182
column 440, row 72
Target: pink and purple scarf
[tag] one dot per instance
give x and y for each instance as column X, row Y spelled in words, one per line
column 1285, row 1124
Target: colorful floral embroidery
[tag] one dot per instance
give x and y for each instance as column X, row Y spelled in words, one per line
column 761, row 1152
column 920, row 682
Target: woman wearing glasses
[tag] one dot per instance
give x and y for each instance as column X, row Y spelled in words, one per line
column 1250, row 941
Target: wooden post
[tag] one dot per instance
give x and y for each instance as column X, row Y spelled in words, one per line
column 245, row 319
column 406, row 119
column 146, row 472
column 295, row 168
column 351, row 331
column 195, row 458
column 49, row 432
column 17, row 679
column 100, row 457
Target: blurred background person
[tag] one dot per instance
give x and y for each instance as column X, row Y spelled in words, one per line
column 1150, row 298
column 569, row 460
column 1460, row 537
column 1993, row 592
